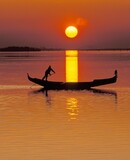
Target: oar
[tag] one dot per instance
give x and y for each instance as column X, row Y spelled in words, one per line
column 50, row 74
column 32, row 85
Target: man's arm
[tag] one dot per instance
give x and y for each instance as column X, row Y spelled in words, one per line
column 52, row 70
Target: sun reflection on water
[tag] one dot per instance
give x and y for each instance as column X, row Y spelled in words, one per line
column 72, row 107
column 71, row 66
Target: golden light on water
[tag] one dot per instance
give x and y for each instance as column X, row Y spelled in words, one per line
column 71, row 66
column 72, row 107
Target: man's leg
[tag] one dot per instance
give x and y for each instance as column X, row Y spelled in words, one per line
column 43, row 78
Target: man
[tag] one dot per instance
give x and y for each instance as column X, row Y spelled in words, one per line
column 48, row 72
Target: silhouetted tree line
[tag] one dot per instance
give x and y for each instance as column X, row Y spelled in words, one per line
column 14, row 48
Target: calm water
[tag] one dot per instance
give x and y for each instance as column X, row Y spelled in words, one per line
column 65, row 125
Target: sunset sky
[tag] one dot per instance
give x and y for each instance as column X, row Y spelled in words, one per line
column 40, row 23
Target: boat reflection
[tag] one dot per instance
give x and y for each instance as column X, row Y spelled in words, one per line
column 72, row 102
column 94, row 90
column 71, row 66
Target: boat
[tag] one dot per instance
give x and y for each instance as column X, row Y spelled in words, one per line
column 54, row 85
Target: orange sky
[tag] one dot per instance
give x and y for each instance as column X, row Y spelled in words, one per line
column 101, row 24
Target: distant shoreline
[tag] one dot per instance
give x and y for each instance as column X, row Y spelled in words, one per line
column 20, row 49
column 23, row 49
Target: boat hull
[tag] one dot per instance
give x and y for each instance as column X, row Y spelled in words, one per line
column 52, row 85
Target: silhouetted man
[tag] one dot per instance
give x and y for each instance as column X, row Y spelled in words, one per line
column 48, row 72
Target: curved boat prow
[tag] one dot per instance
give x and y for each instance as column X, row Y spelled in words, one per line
column 28, row 76
column 36, row 80
column 116, row 73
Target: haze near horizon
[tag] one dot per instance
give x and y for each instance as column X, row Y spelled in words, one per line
column 38, row 23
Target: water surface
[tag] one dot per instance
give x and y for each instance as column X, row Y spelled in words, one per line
column 87, row 124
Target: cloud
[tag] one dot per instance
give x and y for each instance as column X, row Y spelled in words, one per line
column 81, row 22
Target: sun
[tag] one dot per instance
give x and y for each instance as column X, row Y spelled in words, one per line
column 71, row 31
